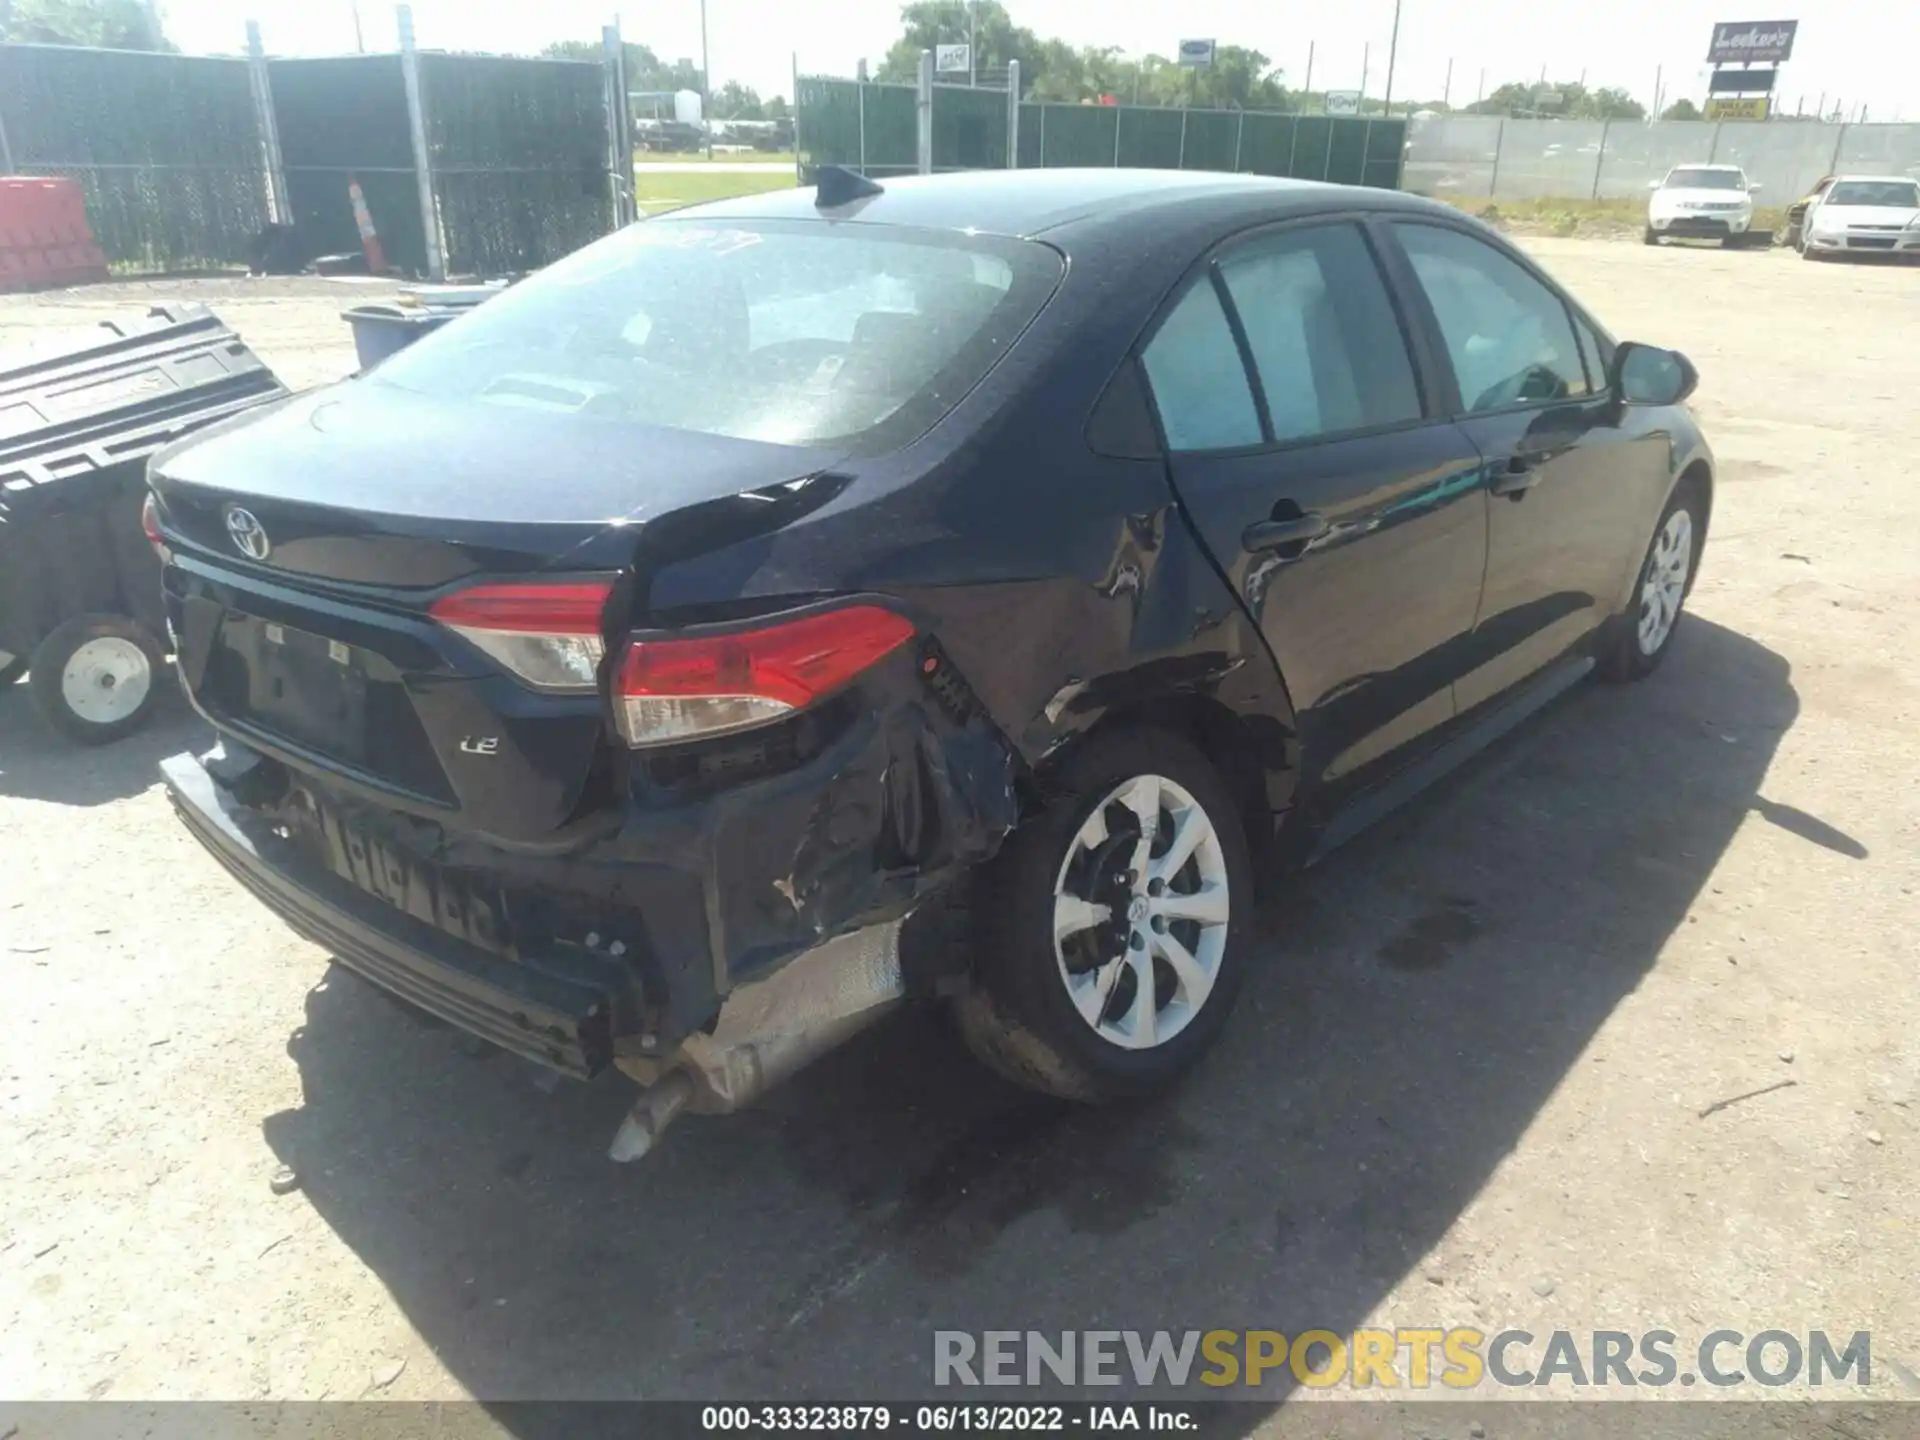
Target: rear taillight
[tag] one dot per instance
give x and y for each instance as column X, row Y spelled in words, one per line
column 547, row 635
column 700, row 686
column 150, row 523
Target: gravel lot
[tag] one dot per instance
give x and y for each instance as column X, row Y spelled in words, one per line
column 1472, row 1081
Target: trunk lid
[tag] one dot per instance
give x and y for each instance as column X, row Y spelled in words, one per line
column 309, row 545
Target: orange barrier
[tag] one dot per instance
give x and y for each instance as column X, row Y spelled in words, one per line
column 44, row 236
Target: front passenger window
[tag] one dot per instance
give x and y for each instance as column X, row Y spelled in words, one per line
column 1507, row 334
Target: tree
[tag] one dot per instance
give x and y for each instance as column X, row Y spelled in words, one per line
column 1681, row 110
column 775, row 108
column 1564, row 101
column 734, row 101
column 644, row 68
column 927, row 23
column 1239, row 78
column 108, row 24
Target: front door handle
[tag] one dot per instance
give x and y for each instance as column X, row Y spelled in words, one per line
column 1515, row 476
column 1273, row 534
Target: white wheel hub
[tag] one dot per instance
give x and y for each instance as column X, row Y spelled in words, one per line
column 1140, row 910
column 1665, row 585
column 106, row 679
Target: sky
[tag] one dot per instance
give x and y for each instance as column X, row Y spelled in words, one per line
column 1851, row 51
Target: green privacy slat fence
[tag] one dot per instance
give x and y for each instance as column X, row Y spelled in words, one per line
column 969, row 132
column 165, row 147
column 519, row 158
column 343, row 118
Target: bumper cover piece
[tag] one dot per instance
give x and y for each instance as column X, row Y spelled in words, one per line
column 553, row 1020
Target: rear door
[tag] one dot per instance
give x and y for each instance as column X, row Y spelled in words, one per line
column 1570, row 484
column 1344, row 511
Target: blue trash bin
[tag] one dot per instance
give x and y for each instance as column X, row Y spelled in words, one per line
column 380, row 329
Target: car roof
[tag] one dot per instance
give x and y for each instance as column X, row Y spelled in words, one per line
column 1035, row 202
column 1689, row 165
column 1873, row 179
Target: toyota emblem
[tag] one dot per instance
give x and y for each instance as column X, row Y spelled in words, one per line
column 248, row 534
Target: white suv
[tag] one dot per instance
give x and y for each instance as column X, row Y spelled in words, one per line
column 1701, row 202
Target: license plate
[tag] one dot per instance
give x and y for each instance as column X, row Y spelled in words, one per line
column 309, row 688
column 465, row 907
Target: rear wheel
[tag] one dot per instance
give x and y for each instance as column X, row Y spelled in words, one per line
column 96, row 677
column 1642, row 634
column 1110, row 926
column 1652, row 237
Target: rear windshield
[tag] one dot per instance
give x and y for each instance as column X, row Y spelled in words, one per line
column 1706, row 180
column 1903, row 193
column 795, row 333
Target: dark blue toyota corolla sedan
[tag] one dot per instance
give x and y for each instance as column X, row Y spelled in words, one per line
column 943, row 589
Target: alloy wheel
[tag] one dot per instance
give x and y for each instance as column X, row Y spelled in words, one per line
column 1140, row 911
column 1665, row 585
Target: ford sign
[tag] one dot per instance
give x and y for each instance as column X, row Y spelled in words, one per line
column 1196, row 54
column 1752, row 40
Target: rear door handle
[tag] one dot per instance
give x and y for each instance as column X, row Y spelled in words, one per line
column 1272, row 534
column 1515, row 476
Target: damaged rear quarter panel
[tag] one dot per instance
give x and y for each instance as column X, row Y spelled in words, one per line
column 1063, row 587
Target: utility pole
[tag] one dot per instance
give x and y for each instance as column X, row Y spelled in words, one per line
column 706, row 84
column 1393, row 53
column 359, row 41
column 973, row 16
column 1446, row 90
column 1658, row 72
column 1307, row 89
column 1481, row 93
column 1366, row 57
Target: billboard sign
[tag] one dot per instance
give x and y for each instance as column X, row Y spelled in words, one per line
column 949, row 59
column 1196, row 54
column 1343, row 102
column 1742, row 82
column 1750, row 109
column 1740, row 41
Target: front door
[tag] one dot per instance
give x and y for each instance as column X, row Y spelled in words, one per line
column 1567, row 483
column 1350, row 521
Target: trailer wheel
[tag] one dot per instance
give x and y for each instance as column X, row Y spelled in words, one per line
column 96, row 677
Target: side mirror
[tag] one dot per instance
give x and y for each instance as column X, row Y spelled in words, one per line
column 1753, row 189
column 1654, row 184
column 1648, row 375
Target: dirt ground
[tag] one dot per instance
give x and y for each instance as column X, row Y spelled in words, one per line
column 1479, row 1074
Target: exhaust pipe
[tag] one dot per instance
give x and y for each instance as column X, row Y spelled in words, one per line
column 766, row 1032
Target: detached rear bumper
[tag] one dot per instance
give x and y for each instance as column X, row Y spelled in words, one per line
column 557, row 1020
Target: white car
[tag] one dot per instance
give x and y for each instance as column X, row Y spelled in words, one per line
column 1701, row 202
column 1863, row 213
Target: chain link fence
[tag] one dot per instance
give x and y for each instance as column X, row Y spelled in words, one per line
column 179, row 165
column 1459, row 157
column 872, row 128
column 166, row 148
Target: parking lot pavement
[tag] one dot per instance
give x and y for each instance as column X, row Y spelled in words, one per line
column 1489, row 1069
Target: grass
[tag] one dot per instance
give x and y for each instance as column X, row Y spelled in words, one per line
column 1605, row 218
column 683, row 157
column 657, row 193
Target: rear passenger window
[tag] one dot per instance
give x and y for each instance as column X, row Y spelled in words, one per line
column 1508, row 335
column 1325, row 342
column 1199, row 384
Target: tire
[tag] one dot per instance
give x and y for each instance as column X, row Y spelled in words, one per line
column 1807, row 252
column 1020, row 1017
column 1652, row 237
column 1639, row 638
column 97, row 677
